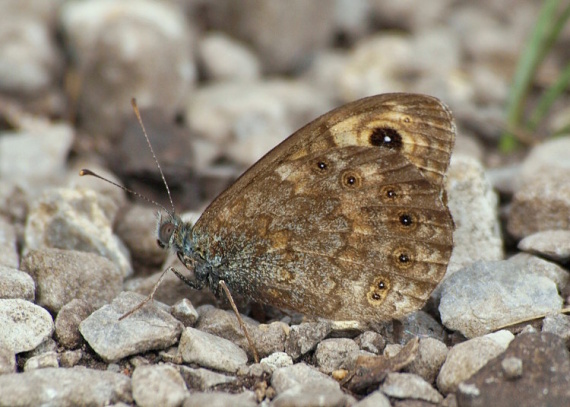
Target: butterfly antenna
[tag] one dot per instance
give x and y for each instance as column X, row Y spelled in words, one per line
column 137, row 113
column 84, row 172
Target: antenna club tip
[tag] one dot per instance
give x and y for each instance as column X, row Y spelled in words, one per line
column 134, row 102
column 84, row 172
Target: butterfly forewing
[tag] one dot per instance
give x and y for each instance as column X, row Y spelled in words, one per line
column 344, row 219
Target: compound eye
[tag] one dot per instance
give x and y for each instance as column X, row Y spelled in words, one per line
column 165, row 233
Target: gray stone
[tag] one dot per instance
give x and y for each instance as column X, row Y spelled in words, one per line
column 375, row 65
column 486, row 296
column 283, row 35
column 31, row 64
column 204, row 379
column 374, row 399
column 77, row 386
column 301, row 374
column 312, row 395
column 158, row 385
column 149, row 328
column 304, row 337
column 16, row 284
column 7, row 360
column 247, row 119
column 73, row 219
column 219, row 399
column 558, row 324
column 24, row 325
column 431, row 356
column 553, row 244
column 371, row 341
column 550, row 155
column 185, row 312
column 512, row 367
column 147, row 28
column 211, row 351
column 333, row 354
column 466, row 358
column 267, row 338
column 408, row 385
column 70, row 358
column 542, row 203
column 45, row 360
column 137, row 229
column 417, row 324
column 474, row 207
column 64, row 275
column 9, row 256
column 543, row 268
column 171, row 289
column 67, row 323
column 277, row 360
column 46, row 146
column 224, row 58
column 543, row 381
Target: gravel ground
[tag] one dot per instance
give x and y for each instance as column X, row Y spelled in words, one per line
column 219, row 83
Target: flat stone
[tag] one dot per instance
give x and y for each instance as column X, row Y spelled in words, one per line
column 77, row 386
column 334, row 353
column 219, row 399
column 149, row 328
column 553, row 244
column 409, row 386
column 203, row 379
column 485, row 296
column 543, row 268
column 211, row 351
column 312, row 395
column 466, row 358
column 544, row 380
column 24, row 325
column 64, row 275
column 73, row 219
column 158, row 385
column 374, row 399
column 267, row 338
column 16, row 284
column 301, row 374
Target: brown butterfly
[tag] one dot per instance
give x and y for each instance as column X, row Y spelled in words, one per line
column 346, row 219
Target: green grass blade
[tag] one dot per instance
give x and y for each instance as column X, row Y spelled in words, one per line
column 529, row 61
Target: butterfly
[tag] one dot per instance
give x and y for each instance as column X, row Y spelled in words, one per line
column 346, row 219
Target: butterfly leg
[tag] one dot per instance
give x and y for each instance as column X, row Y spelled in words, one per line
column 240, row 320
column 147, row 299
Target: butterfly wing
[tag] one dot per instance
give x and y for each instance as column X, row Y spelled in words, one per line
column 345, row 218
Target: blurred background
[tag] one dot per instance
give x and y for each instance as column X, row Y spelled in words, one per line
column 220, row 82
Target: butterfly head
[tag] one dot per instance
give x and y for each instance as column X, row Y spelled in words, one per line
column 173, row 233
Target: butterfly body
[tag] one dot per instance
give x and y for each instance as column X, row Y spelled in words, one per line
column 346, row 219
